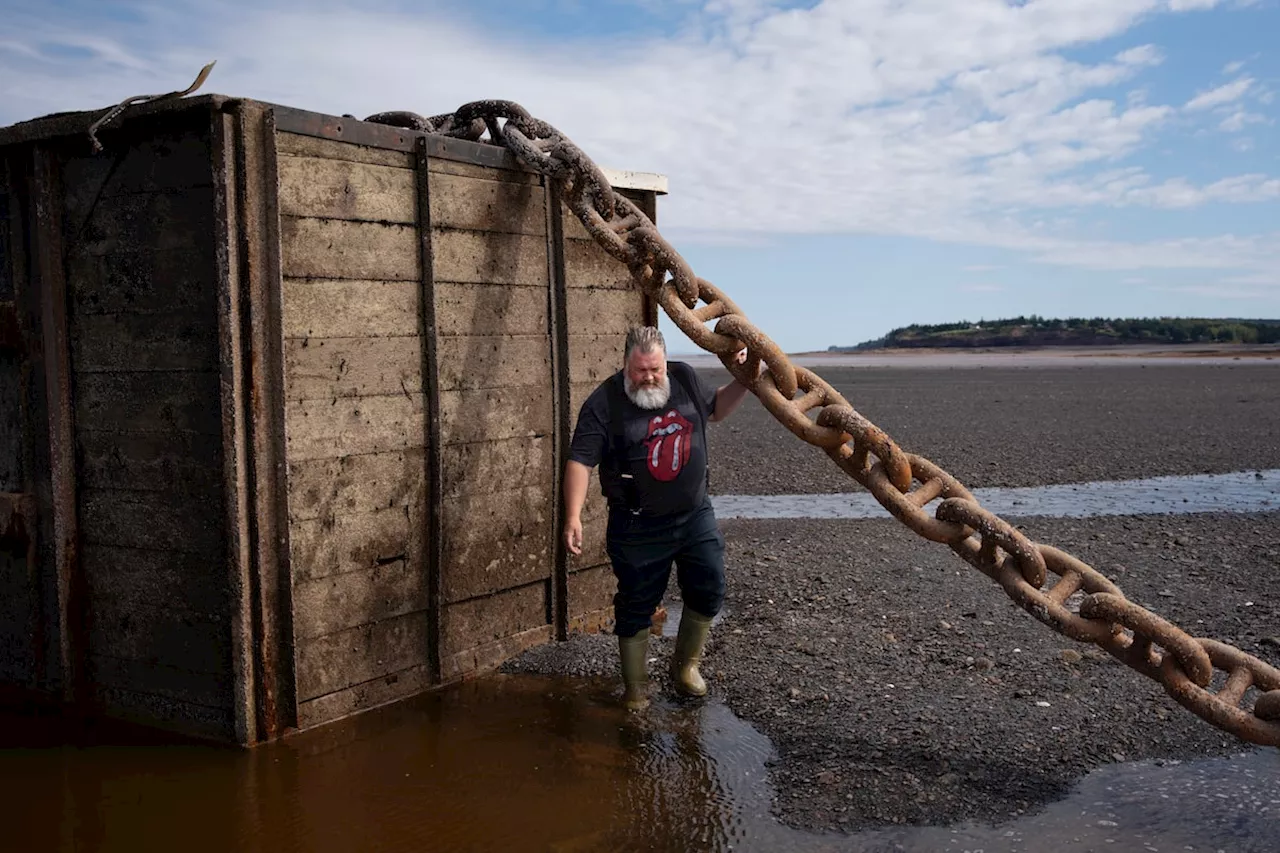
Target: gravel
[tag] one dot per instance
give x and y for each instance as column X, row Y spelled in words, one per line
column 899, row 685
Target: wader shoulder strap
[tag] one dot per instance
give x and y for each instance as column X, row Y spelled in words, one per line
column 614, row 463
column 616, row 398
column 683, row 376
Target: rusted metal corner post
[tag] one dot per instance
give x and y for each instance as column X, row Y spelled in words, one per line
column 433, row 479
column 562, row 417
column 50, row 288
column 648, row 202
column 235, row 460
column 272, row 584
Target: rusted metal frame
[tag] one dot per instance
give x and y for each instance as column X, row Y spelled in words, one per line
column 50, row 288
column 259, row 232
column 648, row 202
column 558, row 600
column 433, row 452
column 370, row 135
column 235, row 451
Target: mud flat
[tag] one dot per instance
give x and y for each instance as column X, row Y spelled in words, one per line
column 1025, row 426
column 899, row 685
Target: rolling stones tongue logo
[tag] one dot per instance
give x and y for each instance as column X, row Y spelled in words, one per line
column 667, row 447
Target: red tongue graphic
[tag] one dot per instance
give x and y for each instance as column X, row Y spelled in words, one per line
column 667, row 447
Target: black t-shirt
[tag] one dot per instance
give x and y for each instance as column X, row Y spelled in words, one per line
column 657, row 461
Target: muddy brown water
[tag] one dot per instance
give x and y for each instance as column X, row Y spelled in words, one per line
column 514, row 763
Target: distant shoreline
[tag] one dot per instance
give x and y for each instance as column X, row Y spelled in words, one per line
column 1201, row 350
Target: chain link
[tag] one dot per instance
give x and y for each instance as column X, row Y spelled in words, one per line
column 1185, row 666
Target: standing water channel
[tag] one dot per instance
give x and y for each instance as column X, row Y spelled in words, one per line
column 520, row 762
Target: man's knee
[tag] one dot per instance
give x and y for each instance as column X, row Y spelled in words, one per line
column 702, row 585
column 635, row 601
column 705, row 598
column 630, row 616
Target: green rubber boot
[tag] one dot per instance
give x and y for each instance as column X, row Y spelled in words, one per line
column 634, row 652
column 690, row 639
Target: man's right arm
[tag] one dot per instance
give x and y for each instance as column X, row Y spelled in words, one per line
column 585, row 451
column 576, row 477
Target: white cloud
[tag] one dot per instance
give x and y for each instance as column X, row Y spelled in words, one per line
column 1238, row 120
column 1143, row 54
column 1225, row 94
column 1224, row 252
column 963, row 121
column 1233, row 67
column 1217, row 290
column 1192, row 5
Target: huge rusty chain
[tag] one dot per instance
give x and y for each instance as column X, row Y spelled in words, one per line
column 1184, row 665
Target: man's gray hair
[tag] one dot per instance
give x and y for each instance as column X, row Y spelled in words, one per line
column 645, row 339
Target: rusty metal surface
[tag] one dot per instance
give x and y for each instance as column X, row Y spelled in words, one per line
column 50, row 275
column 562, row 413
column 1187, row 667
column 649, row 204
column 433, row 481
column 260, row 272
column 235, row 450
column 377, row 135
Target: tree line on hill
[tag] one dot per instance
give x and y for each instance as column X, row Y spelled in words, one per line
column 1076, row 331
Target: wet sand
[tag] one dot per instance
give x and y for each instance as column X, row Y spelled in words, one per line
column 1024, row 426
column 898, row 684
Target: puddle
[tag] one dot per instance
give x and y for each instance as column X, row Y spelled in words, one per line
column 675, row 609
column 1247, row 491
column 536, row 764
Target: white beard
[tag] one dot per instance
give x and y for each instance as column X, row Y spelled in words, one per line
column 648, row 397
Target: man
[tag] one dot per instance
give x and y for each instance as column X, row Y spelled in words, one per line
column 648, row 435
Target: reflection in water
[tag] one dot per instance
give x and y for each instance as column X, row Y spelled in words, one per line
column 527, row 763
column 1248, row 491
column 506, row 763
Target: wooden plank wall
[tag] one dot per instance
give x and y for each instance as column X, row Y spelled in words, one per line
column 497, row 393
column 601, row 304
column 356, row 415
column 18, row 585
column 139, row 229
column 354, row 424
column 355, row 409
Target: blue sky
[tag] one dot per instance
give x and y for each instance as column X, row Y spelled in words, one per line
column 840, row 167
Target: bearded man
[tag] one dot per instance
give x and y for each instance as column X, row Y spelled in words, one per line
column 648, row 435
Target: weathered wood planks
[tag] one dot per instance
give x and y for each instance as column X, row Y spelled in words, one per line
column 142, row 337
